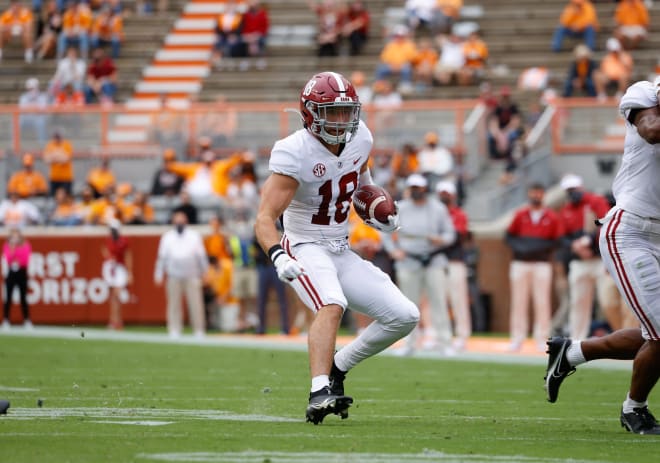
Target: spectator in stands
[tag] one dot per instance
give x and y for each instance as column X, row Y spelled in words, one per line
column 76, row 25
column 447, row 13
column 616, row 69
column 100, row 178
column 387, row 101
column 209, row 177
column 166, row 183
column 228, row 32
column 101, row 82
column 58, row 154
column 27, row 182
column 405, row 161
column 18, row 21
column 356, row 28
column 242, row 192
column 84, row 204
column 182, row 259
column 457, row 272
column 435, row 161
column 117, row 271
column 632, row 23
column 107, row 30
column 71, row 70
column 244, row 278
column 582, row 73
column 364, row 91
column 397, row 58
column 187, row 207
column 504, row 128
column 579, row 19
column 17, row 212
column 476, row 56
column 533, row 236
column 217, row 295
column 50, row 27
column 36, row 100
column 424, row 64
column 255, row 31
column 16, row 253
column 421, row 14
column 105, row 209
column 68, row 96
column 580, row 238
column 139, row 211
column 66, row 213
column 452, row 59
column 330, row 24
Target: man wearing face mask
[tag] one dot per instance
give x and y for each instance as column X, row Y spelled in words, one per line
column 533, row 236
column 182, row 258
column 580, row 240
column 419, row 262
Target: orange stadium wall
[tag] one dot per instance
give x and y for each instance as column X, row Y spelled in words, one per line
column 66, row 287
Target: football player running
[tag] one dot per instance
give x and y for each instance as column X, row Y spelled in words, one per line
column 630, row 244
column 314, row 173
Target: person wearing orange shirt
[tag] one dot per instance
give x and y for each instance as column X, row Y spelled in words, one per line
column 216, row 243
column 58, row 154
column 66, row 213
column 17, row 21
column 104, row 209
column 108, row 29
column 138, row 211
column 397, row 57
column 27, row 182
column 209, row 177
column 476, row 54
column 101, row 177
column 615, row 70
column 76, row 24
column 228, row 32
column 424, row 63
column 405, row 162
column 445, row 15
column 578, row 20
column 632, row 23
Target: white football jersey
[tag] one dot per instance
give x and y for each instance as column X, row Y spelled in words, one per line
column 320, row 208
column 636, row 187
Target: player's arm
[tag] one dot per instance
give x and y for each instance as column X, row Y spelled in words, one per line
column 647, row 121
column 276, row 195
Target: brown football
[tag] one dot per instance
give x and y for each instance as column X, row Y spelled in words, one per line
column 373, row 202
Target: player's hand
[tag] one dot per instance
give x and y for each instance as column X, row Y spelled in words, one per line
column 288, row 269
column 392, row 225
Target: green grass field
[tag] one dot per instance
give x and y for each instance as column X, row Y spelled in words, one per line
column 109, row 401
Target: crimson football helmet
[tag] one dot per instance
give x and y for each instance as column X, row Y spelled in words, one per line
column 330, row 108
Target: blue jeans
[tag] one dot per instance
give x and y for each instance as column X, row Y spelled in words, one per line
column 588, row 35
column 81, row 40
column 384, row 70
column 114, row 42
column 108, row 89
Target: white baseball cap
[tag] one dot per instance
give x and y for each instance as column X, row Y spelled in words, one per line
column 571, row 181
column 613, row 44
column 416, row 180
column 32, row 83
column 447, row 187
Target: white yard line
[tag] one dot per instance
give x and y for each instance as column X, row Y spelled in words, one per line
column 305, row 457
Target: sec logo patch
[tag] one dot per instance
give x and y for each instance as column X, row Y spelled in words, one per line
column 319, row 170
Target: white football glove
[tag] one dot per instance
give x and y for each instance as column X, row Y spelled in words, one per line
column 393, row 222
column 288, row 269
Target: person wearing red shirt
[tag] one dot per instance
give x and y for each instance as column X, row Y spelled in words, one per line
column 533, row 236
column 101, row 82
column 457, row 275
column 356, row 29
column 580, row 244
column 117, row 272
column 255, row 30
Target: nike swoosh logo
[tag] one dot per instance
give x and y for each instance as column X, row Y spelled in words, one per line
column 356, row 161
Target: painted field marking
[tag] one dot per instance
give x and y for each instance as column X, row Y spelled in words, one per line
column 134, row 423
column 306, row 457
column 17, row 389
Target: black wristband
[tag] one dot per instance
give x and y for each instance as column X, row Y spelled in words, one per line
column 274, row 252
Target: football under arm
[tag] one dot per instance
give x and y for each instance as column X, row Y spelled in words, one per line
column 276, row 194
column 647, row 122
